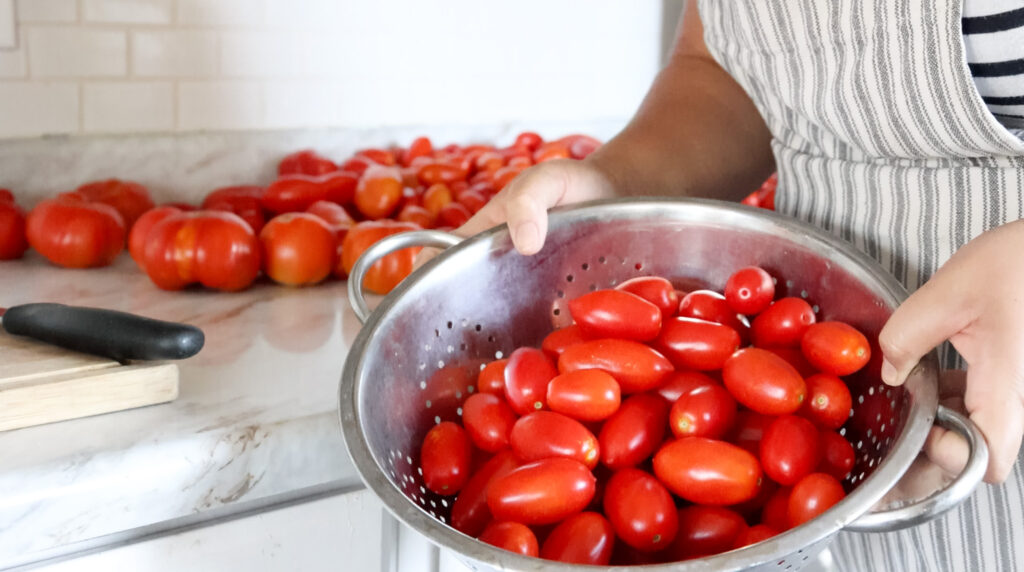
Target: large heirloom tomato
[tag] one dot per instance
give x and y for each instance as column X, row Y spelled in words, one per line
column 387, row 272
column 74, row 233
column 216, row 249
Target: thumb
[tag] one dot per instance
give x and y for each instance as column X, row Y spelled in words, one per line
column 930, row 316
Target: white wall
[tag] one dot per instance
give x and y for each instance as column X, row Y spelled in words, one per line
column 147, row 66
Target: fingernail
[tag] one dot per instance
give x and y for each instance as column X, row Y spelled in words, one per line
column 888, row 372
column 527, row 237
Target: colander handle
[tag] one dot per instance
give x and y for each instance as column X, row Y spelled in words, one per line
column 944, row 499
column 380, row 249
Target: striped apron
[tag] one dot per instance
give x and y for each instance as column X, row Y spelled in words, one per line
column 880, row 137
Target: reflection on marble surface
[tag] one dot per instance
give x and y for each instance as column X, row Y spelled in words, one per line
column 256, row 415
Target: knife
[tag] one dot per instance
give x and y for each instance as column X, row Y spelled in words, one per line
column 109, row 333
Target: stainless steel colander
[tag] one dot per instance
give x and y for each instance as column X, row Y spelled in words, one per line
column 418, row 353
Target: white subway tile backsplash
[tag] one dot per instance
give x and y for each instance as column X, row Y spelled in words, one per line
column 47, row 10
column 120, row 107
column 39, row 108
column 308, row 14
column 174, row 53
column 222, row 13
column 302, row 103
column 77, row 52
column 220, row 105
column 129, row 11
column 282, row 54
column 12, row 63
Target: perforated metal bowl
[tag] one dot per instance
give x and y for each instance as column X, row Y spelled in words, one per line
column 418, row 352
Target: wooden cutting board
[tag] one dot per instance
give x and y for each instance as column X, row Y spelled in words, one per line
column 41, row 383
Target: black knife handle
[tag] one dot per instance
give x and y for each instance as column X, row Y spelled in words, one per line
column 117, row 335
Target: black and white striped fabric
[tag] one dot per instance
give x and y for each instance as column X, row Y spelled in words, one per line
column 994, row 42
column 881, row 137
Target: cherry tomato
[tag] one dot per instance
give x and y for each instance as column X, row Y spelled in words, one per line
column 545, row 434
column 12, row 231
column 472, row 200
column 706, row 471
column 542, row 492
column 216, row 249
column 556, row 342
column 305, row 162
column 750, row 290
column 616, row 314
column 417, row 215
column 448, row 388
column 641, row 510
column 749, row 430
column 492, row 378
column 697, row 344
column 298, row 249
column 584, row 538
column 378, row 192
column 444, row 458
column 6, row 196
column 244, row 200
column 707, row 411
column 441, row 173
column 813, row 495
column 436, row 197
column 796, row 359
column 711, row 306
column 837, row 455
column 586, row 394
column 420, row 147
column 828, row 401
column 656, row 290
column 528, row 140
column 580, row 145
column 387, row 272
column 835, row 347
column 140, row 231
column 74, row 233
column 379, row 156
column 634, row 432
column 753, row 535
column 488, row 421
column 335, row 215
column 295, row 193
column 489, row 161
column 782, row 324
column 453, row 215
column 635, row 366
column 549, row 151
column 470, row 513
column 706, row 530
column 504, row 176
column 357, row 165
column 511, row 536
column 764, row 382
column 790, row 449
column 775, row 513
column 128, row 198
column 526, row 380
column 681, row 382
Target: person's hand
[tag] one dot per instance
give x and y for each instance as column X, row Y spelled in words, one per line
column 976, row 301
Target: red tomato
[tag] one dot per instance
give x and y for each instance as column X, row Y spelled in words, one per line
column 711, row 306
column 813, row 495
column 753, row 535
column 828, row 401
column 837, row 455
column 511, row 536
column 441, row 173
column 656, row 290
column 334, row 215
column 128, row 198
column 551, row 150
column 586, row 394
column 706, row 530
column 635, row 366
column 749, row 430
column 584, row 538
column 707, row 411
column 556, row 342
column 245, row 201
column 616, row 314
column 420, row 147
column 298, row 249
column 526, row 380
column 6, row 196
column 782, row 324
column 546, row 434
column 679, row 383
column 378, row 192
column 835, row 347
column 216, row 249
column 641, row 510
column 764, row 382
column 436, row 197
column 492, row 378
column 504, row 176
column 697, row 344
column 488, row 420
column 706, row 471
column 379, row 156
column 305, row 162
column 448, row 388
column 75, row 234
column 634, row 432
column 357, row 165
column 453, row 215
column 472, row 200
column 796, row 359
column 12, row 230
column 489, row 161
column 542, row 492
column 295, row 193
column 580, row 145
column 790, row 449
column 470, row 513
column 528, row 140
column 775, row 513
column 444, row 458
column 417, row 215
column 140, row 231
column 750, row 290
column 387, row 272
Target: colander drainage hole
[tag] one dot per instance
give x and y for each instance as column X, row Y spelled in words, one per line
column 560, row 294
column 556, row 311
column 585, row 266
column 450, row 325
column 593, row 287
column 602, row 260
column 478, row 327
column 639, row 266
column 569, row 278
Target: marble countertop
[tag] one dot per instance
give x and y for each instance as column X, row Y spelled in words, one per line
column 255, row 423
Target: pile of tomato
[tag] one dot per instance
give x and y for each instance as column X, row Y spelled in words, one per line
column 660, row 426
